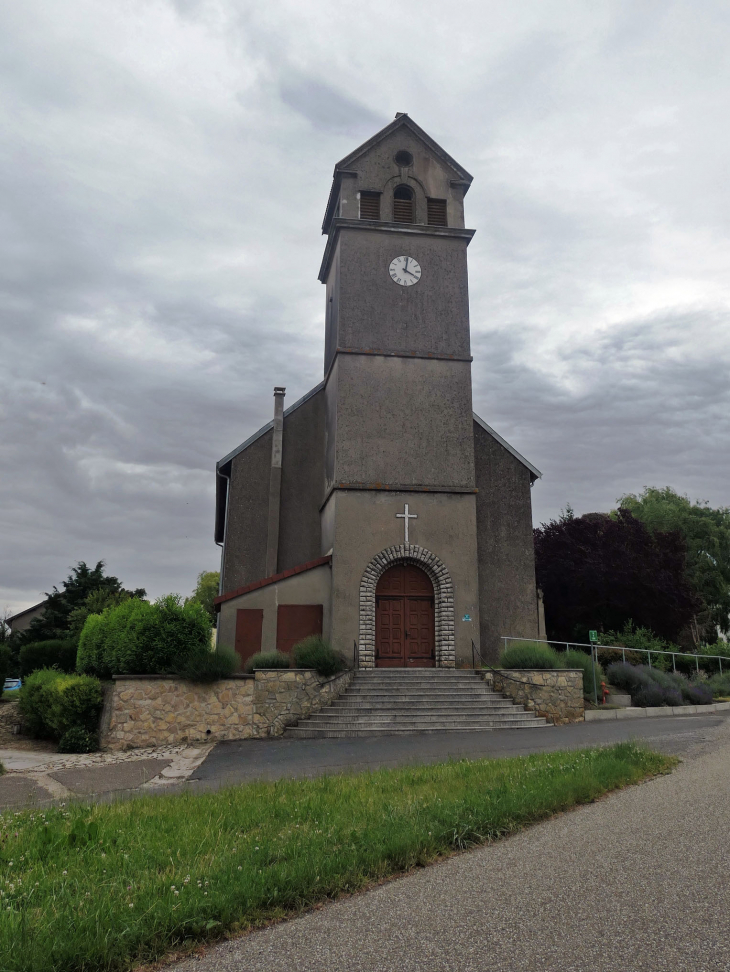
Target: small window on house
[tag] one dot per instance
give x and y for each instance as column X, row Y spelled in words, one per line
column 403, row 158
column 436, row 212
column 403, row 205
column 369, row 205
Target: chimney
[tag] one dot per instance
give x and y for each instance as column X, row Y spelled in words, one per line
column 277, row 444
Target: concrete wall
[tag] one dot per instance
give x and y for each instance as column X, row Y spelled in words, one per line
column 428, row 176
column 374, row 312
column 402, row 421
column 508, row 595
column 310, row 587
column 302, row 491
column 302, row 484
column 446, row 526
column 148, row 711
column 556, row 694
column 244, row 559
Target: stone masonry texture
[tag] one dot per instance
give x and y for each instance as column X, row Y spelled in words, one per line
column 555, row 694
column 168, row 711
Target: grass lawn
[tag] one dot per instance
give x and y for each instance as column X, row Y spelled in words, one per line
column 108, row 886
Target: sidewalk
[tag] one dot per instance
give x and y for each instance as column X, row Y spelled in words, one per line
column 35, row 777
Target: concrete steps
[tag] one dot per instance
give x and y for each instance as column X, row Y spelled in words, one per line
column 403, row 701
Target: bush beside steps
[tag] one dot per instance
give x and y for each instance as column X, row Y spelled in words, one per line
column 532, row 654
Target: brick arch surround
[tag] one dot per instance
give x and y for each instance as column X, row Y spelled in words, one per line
column 443, row 594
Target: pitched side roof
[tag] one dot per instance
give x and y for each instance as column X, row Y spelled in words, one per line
column 401, row 120
column 274, row 579
column 223, row 467
column 265, row 428
column 534, row 471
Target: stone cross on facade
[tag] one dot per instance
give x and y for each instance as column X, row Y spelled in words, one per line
column 406, row 516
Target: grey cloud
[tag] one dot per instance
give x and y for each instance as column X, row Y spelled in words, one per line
column 162, row 182
column 327, row 108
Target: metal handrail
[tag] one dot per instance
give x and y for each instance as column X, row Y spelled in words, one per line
column 356, row 656
column 622, row 648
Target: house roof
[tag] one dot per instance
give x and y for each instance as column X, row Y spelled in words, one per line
column 27, row 610
column 534, row 471
column 401, row 120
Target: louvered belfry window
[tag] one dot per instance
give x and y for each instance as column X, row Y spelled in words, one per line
column 403, row 205
column 436, row 212
column 369, row 205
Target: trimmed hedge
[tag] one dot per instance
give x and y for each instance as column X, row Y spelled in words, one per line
column 208, row 667
column 314, row 652
column 139, row 638
column 54, row 653
column 267, row 659
column 529, row 654
column 52, row 703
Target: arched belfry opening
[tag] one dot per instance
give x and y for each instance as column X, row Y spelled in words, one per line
column 403, row 205
column 423, row 592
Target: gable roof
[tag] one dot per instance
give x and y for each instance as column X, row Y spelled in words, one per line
column 534, row 471
column 264, row 429
column 401, row 120
column 223, row 467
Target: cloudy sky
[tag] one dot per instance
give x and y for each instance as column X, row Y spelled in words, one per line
column 164, row 167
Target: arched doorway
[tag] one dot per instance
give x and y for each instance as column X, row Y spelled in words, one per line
column 405, row 635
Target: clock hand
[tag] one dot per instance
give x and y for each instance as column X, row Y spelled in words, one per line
column 411, row 273
column 406, row 266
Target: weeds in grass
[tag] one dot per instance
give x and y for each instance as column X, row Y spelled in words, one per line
column 109, row 886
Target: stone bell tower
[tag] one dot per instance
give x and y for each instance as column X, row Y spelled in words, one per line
column 399, row 442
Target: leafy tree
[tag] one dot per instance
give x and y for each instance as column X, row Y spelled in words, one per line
column 706, row 534
column 600, row 571
column 206, row 590
column 83, row 581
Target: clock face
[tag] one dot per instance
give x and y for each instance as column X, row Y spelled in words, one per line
column 404, row 270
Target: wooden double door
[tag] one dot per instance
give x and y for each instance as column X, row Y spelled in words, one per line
column 405, row 632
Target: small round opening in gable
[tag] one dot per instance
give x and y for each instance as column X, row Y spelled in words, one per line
column 403, row 158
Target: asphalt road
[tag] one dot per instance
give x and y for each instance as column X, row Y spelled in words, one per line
column 249, row 759
column 638, row 881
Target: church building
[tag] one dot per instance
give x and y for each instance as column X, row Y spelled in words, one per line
column 379, row 510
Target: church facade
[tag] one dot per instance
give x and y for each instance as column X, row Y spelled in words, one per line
column 379, row 510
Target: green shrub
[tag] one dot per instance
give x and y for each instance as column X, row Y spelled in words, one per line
column 54, row 653
column 712, row 665
column 210, row 665
column 641, row 640
column 529, row 654
column 34, row 701
column 579, row 659
column 74, row 702
column 6, row 665
column 719, row 685
column 139, row 638
column 314, row 652
column 52, row 702
column 78, row 740
column 267, row 659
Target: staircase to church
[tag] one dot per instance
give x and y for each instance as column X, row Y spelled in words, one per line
column 397, row 701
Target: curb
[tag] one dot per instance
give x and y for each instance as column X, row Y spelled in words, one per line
column 595, row 715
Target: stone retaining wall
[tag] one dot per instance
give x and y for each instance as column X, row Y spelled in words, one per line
column 148, row 710
column 556, row 694
column 9, row 717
